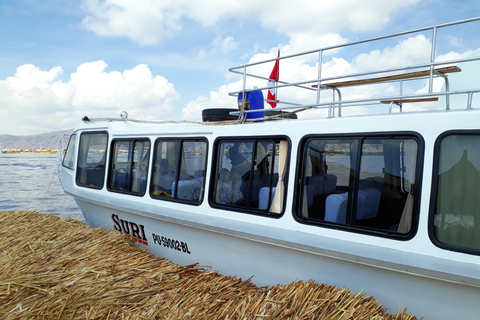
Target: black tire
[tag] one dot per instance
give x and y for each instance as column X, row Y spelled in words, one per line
column 222, row 114
column 218, row 114
column 286, row 114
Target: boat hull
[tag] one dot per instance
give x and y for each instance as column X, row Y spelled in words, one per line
column 268, row 261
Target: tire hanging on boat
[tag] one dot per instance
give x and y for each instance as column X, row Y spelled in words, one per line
column 222, row 114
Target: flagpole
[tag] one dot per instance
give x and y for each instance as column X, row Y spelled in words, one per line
column 320, row 58
column 273, row 82
column 241, row 116
column 276, row 81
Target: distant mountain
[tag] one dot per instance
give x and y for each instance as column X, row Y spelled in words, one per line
column 35, row 142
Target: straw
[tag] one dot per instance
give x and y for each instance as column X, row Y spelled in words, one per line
column 54, row 268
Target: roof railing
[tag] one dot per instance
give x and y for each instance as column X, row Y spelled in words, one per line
column 399, row 74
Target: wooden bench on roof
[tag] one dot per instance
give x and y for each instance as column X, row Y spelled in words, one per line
column 402, row 76
column 396, row 77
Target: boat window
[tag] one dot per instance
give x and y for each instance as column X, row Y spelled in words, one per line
column 68, row 160
column 179, row 170
column 91, row 159
column 250, row 175
column 329, row 167
column 455, row 222
column 129, row 166
column 364, row 183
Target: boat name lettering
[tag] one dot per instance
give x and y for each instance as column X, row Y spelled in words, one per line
column 170, row 243
column 134, row 231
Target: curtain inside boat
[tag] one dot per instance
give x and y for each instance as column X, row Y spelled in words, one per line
column 278, row 199
column 410, row 162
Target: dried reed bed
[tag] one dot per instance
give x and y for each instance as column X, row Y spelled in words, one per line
column 54, row 268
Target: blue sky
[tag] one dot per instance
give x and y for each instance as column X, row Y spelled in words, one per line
column 169, row 59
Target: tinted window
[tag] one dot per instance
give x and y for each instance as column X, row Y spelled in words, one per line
column 129, row 166
column 91, row 159
column 179, row 170
column 329, row 166
column 366, row 183
column 456, row 220
column 71, row 152
column 251, row 174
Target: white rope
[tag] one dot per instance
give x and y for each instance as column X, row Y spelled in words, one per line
column 48, row 188
column 282, row 115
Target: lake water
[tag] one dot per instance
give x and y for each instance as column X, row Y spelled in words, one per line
column 28, row 182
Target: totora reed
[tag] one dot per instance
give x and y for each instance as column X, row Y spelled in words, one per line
column 54, row 268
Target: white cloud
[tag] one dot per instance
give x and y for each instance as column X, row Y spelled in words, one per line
column 36, row 101
column 149, row 21
column 225, row 45
column 409, row 52
column 452, row 55
column 216, row 99
column 219, row 44
column 454, row 41
column 145, row 22
column 303, row 41
column 323, row 16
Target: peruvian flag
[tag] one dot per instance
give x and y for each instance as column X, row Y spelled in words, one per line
column 271, row 83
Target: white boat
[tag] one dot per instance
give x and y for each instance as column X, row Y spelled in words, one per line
column 387, row 202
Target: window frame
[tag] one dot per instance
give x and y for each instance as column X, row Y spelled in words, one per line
column 105, row 164
column 434, row 193
column 353, row 188
column 74, row 151
column 216, row 155
column 111, row 170
column 178, row 167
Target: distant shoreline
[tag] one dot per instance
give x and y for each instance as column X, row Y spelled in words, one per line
column 47, row 151
column 40, row 143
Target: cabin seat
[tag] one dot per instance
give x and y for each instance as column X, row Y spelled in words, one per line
column 378, row 183
column 165, row 183
column 164, row 166
column 267, row 177
column 198, row 174
column 263, row 202
column 331, row 183
column 263, row 197
column 162, row 179
column 121, row 179
column 365, row 184
column 373, row 182
column 318, row 184
column 256, row 186
column 188, row 189
column 143, row 181
column 224, row 188
column 368, row 203
column 323, row 184
column 369, row 194
column 94, row 175
column 224, row 194
column 336, row 207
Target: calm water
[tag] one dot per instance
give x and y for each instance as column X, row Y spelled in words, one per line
column 28, row 182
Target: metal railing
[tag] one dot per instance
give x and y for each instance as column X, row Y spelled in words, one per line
column 339, row 101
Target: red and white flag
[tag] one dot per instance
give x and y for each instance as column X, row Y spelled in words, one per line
column 271, row 83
